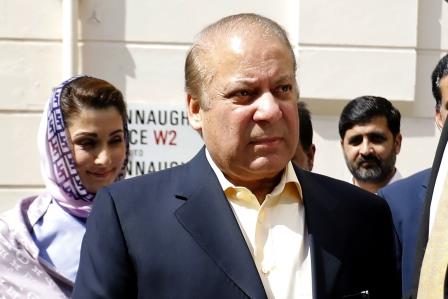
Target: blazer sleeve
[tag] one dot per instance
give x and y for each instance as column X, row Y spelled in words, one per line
column 102, row 275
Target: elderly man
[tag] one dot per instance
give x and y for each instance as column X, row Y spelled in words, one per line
column 238, row 220
column 369, row 127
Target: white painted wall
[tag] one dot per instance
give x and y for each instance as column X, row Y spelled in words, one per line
column 345, row 48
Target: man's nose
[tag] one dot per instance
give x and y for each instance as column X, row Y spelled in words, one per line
column 365, row 147
column 268, row 108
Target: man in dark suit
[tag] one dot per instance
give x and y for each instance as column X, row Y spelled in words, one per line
column 369, row 127
column 406, row 197
column 239, row 220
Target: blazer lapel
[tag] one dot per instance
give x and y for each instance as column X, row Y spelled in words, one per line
column 209, row 219
column 319, row 215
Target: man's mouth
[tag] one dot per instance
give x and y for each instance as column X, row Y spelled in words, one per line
column 368, row 163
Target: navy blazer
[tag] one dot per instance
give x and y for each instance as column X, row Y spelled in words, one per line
column 173, row 234
column 405, row 198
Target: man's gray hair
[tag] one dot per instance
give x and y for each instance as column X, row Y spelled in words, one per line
column 197, row 74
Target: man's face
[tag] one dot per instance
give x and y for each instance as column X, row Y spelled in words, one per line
column 443, row 112
column 370, row 150
column 249, row 123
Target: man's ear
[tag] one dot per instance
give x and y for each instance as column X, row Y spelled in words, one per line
column 310, row 154
column 439, row 121
column 397, row 142
column 194, row 112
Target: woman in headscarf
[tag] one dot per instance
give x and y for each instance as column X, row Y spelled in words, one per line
column 83, row 146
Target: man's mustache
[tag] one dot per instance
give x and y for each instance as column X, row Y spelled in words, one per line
column 369, row 158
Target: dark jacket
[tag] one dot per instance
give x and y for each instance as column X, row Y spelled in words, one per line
column 173, row 234
column 405, row 198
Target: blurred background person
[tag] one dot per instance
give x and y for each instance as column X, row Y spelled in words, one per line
column 439, row 82
column 83, row 146
column 304, row 156
column 369, row 127
column 406, row 197
column 430, row 280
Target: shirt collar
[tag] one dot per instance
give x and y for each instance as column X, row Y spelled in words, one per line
column 289, row 177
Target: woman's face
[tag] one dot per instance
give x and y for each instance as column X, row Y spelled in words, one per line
column 98, row 145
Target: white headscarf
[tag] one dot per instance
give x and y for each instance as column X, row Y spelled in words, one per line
column 58, row 168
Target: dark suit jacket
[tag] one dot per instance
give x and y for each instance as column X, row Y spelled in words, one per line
column 405, row 198
column 173, row 234
column 424, row 222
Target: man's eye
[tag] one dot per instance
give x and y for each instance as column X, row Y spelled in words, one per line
column 242, row 97
column 283, row 91
column 285, row 88
column 242, row 93
column 377, row 139
column 355, row 141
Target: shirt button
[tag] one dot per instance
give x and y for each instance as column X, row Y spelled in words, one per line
column 266, row 267
column 264, row 270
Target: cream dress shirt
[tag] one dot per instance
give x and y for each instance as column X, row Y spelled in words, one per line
column 275, row 234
